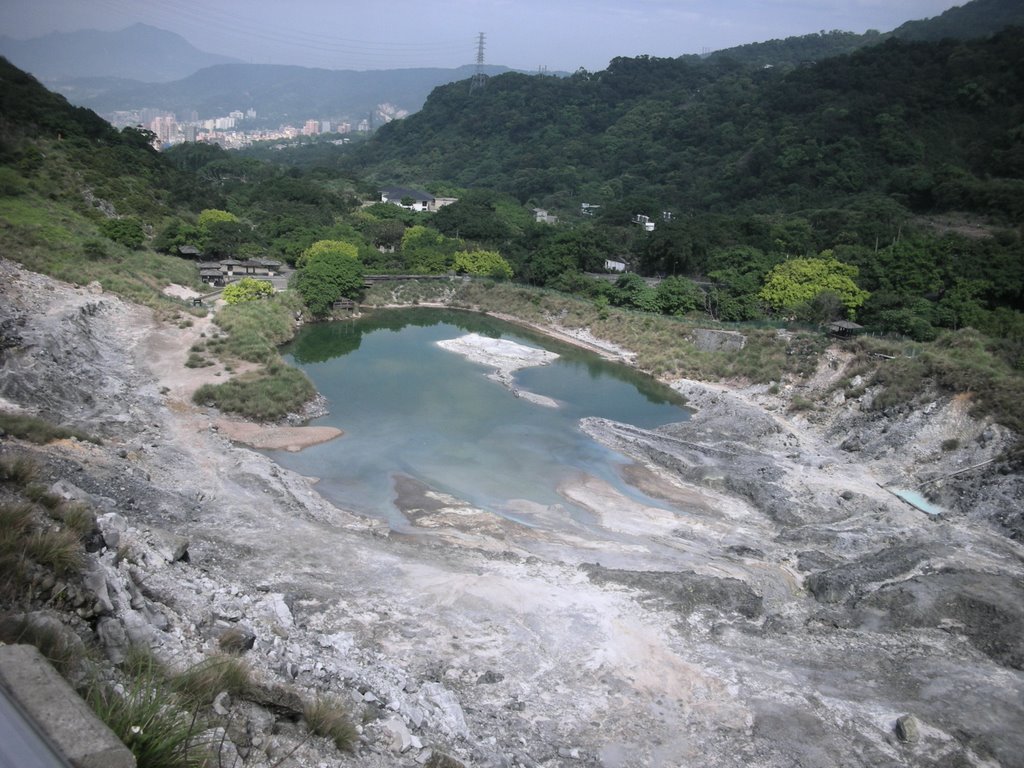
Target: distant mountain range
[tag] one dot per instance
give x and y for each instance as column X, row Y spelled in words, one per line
column 275, row 91
column 139, row 52
column 145, row 67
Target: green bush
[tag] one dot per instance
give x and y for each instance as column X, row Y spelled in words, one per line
column 94, row 250
column 127, row 232
column 247, row 289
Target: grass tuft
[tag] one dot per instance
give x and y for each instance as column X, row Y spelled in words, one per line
column 328, row 717
column 78, row 518
column 199, row 685
column 59, row 549
column 39, row 431
column 148, row 720
column 18, row 470
column 49, row 637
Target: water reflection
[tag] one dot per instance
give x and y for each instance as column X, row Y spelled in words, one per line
column 410, row 408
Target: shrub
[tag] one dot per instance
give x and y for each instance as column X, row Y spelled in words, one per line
column 127, row 232
column 247, row 289
column 94, row 250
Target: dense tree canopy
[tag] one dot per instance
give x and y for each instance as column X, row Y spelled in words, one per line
column 797, row 282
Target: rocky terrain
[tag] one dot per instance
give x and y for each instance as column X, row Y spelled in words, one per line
column 780, row 607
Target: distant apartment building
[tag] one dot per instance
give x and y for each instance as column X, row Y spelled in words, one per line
column 165, row 127
column 311, row 128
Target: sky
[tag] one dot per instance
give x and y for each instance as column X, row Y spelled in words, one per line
column 559, row 35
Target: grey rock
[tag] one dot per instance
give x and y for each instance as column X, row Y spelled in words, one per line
column 400, row 739
column 170, row 546
column 685, row 592
column 907, row 730
column 112, row 636
column 95, row 578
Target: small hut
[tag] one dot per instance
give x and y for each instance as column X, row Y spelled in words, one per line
column 843, row 329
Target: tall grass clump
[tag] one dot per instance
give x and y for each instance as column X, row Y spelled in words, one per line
column 53, row 640
column 39, row 431
column 17, row 519
column 57, row 548
column 147, row 717
column 200, row 684
column 327, row 717
column 255, row 329
column 266, row 395
column 18, row 470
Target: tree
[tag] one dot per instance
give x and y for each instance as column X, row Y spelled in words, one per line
column 483, row 264
column 212, row 215
column 632, row 291
column 247, row 289
column 327, row 249
column 327, row 278
column 796, row 282
column 678, row 296
column 176, row 233
column 427, row 250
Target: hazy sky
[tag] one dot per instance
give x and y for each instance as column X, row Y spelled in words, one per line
column 523, row 34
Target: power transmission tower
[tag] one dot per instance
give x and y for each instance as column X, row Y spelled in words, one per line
column 479, row 78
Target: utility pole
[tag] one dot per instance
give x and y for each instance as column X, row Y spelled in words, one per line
column 479, row 78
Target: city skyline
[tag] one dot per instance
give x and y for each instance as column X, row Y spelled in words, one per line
column 525, row 34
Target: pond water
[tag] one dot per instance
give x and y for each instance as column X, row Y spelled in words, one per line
column 917, row 499
column 409, row 407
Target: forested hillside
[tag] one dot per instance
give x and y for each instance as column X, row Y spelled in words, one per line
column 933, row 125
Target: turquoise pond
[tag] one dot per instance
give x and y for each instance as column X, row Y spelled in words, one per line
column 917, row 499
column 409, row 407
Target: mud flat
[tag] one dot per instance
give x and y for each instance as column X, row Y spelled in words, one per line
column 777, row 607
column 505, row 357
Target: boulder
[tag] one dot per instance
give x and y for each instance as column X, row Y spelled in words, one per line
column 907, row 730
column 170, row 546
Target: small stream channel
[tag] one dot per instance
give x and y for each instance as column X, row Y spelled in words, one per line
column 409, row 407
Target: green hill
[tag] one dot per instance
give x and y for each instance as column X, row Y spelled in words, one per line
column 934, row 125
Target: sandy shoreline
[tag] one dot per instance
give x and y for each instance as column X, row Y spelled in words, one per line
column 271, row 438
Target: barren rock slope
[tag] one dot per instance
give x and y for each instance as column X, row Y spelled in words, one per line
column 778, row 608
